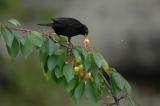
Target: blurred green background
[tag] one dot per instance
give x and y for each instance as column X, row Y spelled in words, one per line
column 125, row 31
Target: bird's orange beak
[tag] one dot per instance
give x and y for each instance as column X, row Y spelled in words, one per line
column 86, row 41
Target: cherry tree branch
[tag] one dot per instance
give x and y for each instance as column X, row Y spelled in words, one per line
column 119, row 99
column 110, row 89
column 45, row 34
column 89, row 48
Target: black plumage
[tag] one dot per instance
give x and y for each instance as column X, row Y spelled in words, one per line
column 68, row 27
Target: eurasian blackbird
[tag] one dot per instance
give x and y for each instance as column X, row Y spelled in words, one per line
column 68, row 27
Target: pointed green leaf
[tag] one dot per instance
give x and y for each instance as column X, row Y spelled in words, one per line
column 94, row 69
column 14, row 22
column 75, row 53
column 90, row 91
column 86, row 64
column 14, row 50
column 71, row 85
column 48, row 74
column 60, row 51
column 26, row 48
column 52, row 47
column 0, row 31
column 61, row 59
column 62, row 40
column 68, row 72
column 98, row 59
column 115, row 89
column 36, row 38
column 105, row 65
column 118, row 79
column 52, row 62
column 82, row 51
column 19, row 37
column 128, row 88
column 79, row 91
column 43, row 55
column 58, row 72
column 8, row 36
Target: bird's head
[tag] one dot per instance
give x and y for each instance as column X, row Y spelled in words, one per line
column 85, row 34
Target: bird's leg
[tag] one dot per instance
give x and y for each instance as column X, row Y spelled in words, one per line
column 70, row 45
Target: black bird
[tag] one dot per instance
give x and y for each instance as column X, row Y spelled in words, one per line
column 68, row 27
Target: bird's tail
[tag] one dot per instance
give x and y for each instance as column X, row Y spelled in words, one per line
column 49, row 24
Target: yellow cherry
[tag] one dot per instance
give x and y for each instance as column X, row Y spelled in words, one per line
column 81, row 73
column 78, row 60
column 76, row 69
column 81, row 67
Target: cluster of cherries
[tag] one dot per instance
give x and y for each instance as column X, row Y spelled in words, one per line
column 79, row 69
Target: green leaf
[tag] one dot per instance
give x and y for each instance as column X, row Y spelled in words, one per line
column 105, row 66
column 96, row 77
column 118, row 79
column 45, row 47
column 82, row 51
column 53, row 76
column 36, row 38
column 71, row 85
column 98, row 59
column 14, row 22
column 8, row 36
column 52, row 62
column 115, row 88
column 43, row 56
column 86, row 64
column 79, row 91
column 90, row 91
column 58, row 72
column 0, row 31
column 19, row 37
column 62, row 40
column 68, row 72
column 14, row 50
column 26, row 48
column 60, row 51
column 48, row 74
column 75, row 53
column 128, row 88
column 52, row 47
column 94, row 69
column 61, row 59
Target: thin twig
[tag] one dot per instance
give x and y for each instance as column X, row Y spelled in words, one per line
column 119, row 99
column 50, row 35
column 109, row 87
column 20, row 29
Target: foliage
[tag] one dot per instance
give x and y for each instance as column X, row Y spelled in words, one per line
column 82, row 71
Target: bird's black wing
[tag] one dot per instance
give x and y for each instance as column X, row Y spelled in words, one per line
column 71, row 22
column 70, row 26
